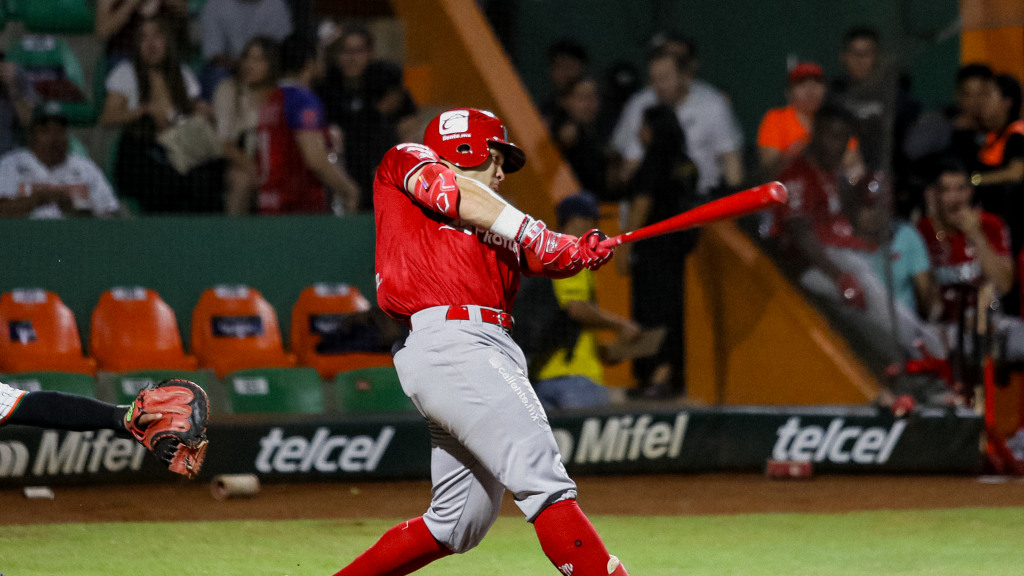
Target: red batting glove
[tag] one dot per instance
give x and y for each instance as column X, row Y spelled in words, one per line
column 850, row 291
column 592, row 253
column 560, row 251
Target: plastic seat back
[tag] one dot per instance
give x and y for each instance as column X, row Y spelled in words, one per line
column 128, row 385
column 371, row 390
column 134, row 329
column 38, row 333
column 69, row 382
column 275, row 390
column 235, row 328
column 321, row 312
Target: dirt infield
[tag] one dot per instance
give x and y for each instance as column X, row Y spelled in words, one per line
column 632, row 495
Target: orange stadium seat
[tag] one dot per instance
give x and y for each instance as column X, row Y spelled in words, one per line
column 320, row 311
column 134, row 329
column 235, row 328
column 38, row 333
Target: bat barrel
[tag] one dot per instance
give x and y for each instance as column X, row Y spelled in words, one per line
column 732, row 206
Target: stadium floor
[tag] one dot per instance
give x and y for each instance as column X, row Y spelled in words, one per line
column 667, row 495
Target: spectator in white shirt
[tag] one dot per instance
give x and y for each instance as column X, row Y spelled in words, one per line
column 45, row 181
column 714, row 140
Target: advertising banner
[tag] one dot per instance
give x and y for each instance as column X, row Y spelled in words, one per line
column 397, row 445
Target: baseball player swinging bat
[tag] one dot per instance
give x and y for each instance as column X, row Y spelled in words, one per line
column 732, row 206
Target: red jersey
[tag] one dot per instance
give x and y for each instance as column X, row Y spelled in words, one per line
column 954, row 261
column 287, row 185
column 814, row 195
column 425, row 259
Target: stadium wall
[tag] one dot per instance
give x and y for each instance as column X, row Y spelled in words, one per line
column 179, row 257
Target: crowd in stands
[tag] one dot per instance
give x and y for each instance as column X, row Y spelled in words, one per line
column 904, row 224
column 237, row 108
column 899, row 220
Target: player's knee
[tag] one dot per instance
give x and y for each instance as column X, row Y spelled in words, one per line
column 467, row 532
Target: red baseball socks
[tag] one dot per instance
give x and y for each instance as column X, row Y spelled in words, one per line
column 401, row 550
column 572, row 544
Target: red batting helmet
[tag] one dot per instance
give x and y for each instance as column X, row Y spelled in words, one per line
column 462, row 137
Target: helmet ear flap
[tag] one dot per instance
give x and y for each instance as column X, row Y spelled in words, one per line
column 464, row 149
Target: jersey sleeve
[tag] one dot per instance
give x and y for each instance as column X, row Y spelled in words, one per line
column 728, row 134
column 916, row 251
column 9, row 176
column 401, row 161
column 122, row 81
column 768, row 135
column 192, row 87
column 101, row 195
column 303, row 110
column 997, row 233
column 1014, row 148
column 625, row 140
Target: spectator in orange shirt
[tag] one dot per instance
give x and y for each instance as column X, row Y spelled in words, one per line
column 785, row 131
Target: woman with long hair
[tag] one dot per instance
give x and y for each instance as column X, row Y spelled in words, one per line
column 146, row 96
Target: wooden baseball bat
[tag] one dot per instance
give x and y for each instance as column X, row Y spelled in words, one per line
column 732, row 206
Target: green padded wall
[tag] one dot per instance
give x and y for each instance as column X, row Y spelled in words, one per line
column 179, row 257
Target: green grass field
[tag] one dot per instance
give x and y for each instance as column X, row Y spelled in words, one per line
column 960, row 542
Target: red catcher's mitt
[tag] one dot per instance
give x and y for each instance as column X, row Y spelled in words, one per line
column 178, row 438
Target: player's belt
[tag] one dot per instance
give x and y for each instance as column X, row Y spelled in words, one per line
column 488, row 315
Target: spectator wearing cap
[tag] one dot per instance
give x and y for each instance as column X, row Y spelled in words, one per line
column 571, row 375
column 45, row 181
column 785, row 131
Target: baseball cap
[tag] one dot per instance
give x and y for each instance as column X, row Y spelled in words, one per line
column 48, row 111
column 806, row 71
column 582, row 203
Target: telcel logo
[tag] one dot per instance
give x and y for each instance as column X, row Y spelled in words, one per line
column 837, row 443
column 324, row 452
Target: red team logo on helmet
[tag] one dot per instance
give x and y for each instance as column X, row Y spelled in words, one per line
column 463, row 136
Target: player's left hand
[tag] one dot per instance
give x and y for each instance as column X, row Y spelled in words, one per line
column 592, row 254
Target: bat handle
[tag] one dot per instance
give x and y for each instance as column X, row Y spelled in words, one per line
column 612, row 242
